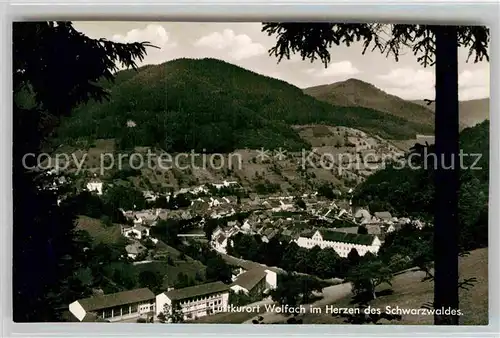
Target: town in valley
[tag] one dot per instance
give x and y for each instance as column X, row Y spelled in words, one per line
column 311, row 198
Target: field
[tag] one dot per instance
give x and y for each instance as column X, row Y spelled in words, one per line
column 111, row 235
column 170, row 272
column 98, row 231
column 244, row 165
column 409, row 292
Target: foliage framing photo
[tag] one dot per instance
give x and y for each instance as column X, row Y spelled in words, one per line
column 46, row 247
column 433, row 46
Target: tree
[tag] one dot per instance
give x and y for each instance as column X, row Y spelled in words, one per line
column 209, row 227
column 171, row 314
column 353, row 257
column 326, row 190
column 218, row 270
column 73, row 64
column 106, row 221
column 182, row 281
column 167, row 231
column 299, row 202
column 367, row 276
column 151, row 279
column 287, row 291
column 326, row 265
column 127, row 198
column 434, row 45
column 362, row 230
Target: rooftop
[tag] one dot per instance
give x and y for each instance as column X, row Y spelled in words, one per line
column 350, row 230
column 247, row 265
column 341, row 237
column 116, row 299
column 197, row 290
column 135, row 248
column 383, row 215
column 250, row 278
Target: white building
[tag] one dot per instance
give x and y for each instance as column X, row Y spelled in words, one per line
column 137, row 231
column 195, row 301
column 214, row 202
column 224, row 184
column 341, row 242
column 362, row 216
column 246, row 227
column 199, row 190
column 150, row 196
column 252, row 282
column 250, row 274
column 95, row 185
column 384, row 216
column 220, row 243
column 114, row 307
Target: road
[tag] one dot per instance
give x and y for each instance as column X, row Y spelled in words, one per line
column 330, row 294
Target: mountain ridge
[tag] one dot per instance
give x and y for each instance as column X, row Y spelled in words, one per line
column 175, row 105
column 471, row 112
column 355, row 92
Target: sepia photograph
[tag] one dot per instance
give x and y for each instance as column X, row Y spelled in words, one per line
column 250, row 173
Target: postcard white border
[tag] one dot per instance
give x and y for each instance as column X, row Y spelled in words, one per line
column 454, row 12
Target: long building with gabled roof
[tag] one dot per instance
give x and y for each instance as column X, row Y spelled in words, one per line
column 341, row 242
column 195, row 301
column 115, row 306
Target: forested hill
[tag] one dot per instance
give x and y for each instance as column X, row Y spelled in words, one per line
column 354, row 92
column 411, row 192
column 214, row 105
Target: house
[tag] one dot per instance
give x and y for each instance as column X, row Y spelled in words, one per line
column 150, row 196
column 326, row 213
column 195, row 301
column 247, row 227
column 275, row 205
column 245, row 266
column 199, row 205
column 162, row 215
column 224, row 184
column 135, row 249
column 394, row 227
column 287, row 205
column 268, row 234
column 199, row 190
column 217, row 232
column 95, row 185
column 341, row 242
column 254, row 199
column 116, row 306
column 182, row 191
column 384, row 216
column 131, row 232
column 230, row 199
column 348, row 230
column 252, row 282
column 373, row 229
column 220, row 243
column 186, row 214
column 138, row 231
column 286, row 236
column 362, row 216
column 343, row 213
column 146, row 216
column 418, row 224
column 222, row 211
column 213, row 202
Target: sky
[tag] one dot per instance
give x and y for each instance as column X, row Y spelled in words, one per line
column 244, row 44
